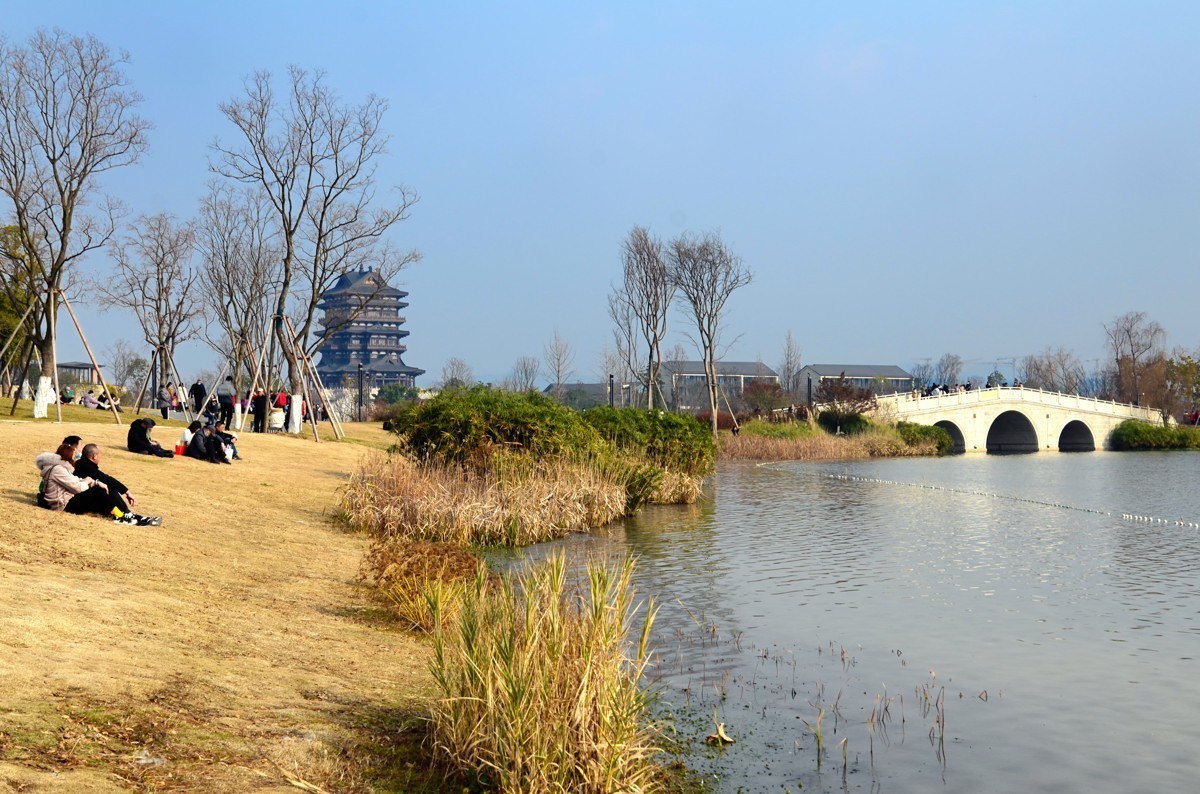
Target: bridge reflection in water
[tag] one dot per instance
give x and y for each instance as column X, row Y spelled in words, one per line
column 1016, row 420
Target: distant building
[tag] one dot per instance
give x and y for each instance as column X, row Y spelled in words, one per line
column 77, row 372
column 683, row 381
column 370, row 338
column 880, row 378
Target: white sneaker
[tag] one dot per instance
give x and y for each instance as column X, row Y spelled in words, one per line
column 128, row 518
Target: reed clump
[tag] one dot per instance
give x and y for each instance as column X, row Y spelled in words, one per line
column 520, row 501
column 764, row 441
column 819, row 447
column 539, row 685
column 406, row 571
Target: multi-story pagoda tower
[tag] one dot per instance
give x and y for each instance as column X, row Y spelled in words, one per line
column 362, row 323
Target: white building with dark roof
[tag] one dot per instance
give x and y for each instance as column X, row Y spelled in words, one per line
column 880, row 378
column 683, row 381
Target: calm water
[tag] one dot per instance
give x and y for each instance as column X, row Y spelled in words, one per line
column 1061, row 638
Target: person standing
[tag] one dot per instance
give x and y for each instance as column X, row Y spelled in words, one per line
column 198, row 392
column 258, row 404
column 163, row 399
column 226, row 394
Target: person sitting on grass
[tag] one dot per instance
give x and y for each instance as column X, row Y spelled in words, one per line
column 229, row 440
column 63, row 490
column 205, row 446
column 212, row 410
column 89, row 400
column 185, row 437
column 139, row 440
column 89, row 466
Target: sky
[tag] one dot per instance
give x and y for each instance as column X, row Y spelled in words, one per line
column 903, row 180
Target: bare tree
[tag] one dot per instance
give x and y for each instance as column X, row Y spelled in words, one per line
column 632, row 364
column 126, row 367
column 66, row 117
column 922, row 373
column 314, row 159
column 948, row 369
column 647, row 291
column 706, row 273
column 558, row 358
column 237, row 241
column 156, row 281
column 789, row 367
column 457, row 373
column 1053, row 370
column 524, row 374
column 1135, row 342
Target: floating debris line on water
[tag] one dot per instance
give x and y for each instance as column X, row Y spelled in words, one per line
column 1178, row 522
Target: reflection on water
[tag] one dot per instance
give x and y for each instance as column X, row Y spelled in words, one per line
column 1062, row 637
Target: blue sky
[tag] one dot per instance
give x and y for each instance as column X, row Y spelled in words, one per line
column 903, row 179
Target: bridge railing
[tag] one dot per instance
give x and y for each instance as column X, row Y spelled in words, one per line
column 909, row 401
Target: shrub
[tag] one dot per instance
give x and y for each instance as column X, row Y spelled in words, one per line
column 466, row 426
column 539, row 688
column 849, row 423
column 677, row 442
column 1133, row 434
column 915, row 435
column 725, row 419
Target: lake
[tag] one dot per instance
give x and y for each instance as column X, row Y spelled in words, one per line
column 974, row 623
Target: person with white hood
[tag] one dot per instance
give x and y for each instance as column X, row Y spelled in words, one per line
column 62, row 490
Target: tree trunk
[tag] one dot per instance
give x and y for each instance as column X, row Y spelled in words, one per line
column 295, row 418
column 710, row 375
column 45, row 394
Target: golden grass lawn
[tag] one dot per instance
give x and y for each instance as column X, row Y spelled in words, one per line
column 229, row 650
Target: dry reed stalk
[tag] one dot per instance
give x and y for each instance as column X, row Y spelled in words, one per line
column 748, row 447
column 678, row 489
column 518, row 505
column 406, row 571
column 540, row 688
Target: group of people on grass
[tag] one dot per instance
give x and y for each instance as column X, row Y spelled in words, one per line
column 210, row 442
column 72, row 481
column 89, row 399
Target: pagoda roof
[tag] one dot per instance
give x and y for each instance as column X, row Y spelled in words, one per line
column 362, row 282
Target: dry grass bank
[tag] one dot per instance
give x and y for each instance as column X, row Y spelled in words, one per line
column 818, row 447
column 229, row 650
column 875, row 443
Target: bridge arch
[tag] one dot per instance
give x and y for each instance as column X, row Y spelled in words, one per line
column 1076, row 436
column 1011, row 433
column 956, row 434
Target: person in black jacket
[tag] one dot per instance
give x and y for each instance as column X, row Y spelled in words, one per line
column 198, row 392
column 258, row 404
column 89, row 466
column 205, row 446
column 139, row 440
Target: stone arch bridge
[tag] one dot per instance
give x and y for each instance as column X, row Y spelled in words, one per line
column 1015, row 419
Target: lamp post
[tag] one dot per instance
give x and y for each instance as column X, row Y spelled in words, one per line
column 612, row 397
column 360, row 393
